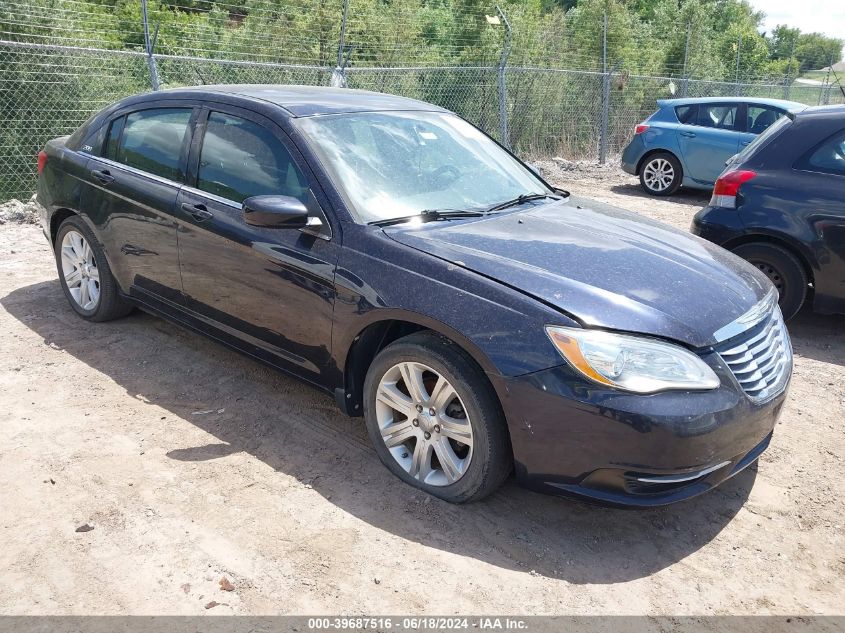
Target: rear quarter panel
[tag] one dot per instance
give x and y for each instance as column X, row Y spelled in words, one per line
column 60, row 184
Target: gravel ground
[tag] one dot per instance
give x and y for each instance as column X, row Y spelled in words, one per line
column 192, row 463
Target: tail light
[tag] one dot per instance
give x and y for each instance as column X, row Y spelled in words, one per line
column 642, row 127
column 727, row 187
column 42, row 161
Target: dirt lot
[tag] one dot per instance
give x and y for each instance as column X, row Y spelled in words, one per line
column 192, row 463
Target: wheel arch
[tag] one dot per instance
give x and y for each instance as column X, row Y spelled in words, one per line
column 58, row 216
column 381, row 332
column 763, row 238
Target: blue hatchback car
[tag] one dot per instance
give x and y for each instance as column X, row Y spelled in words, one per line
column 687, row 141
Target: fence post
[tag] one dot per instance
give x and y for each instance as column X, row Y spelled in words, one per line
column 605, row 96
column 148, row 45
column 738, row 52
column 787, row 82
column 504, row 132
column 339, row 73
column 685, row 75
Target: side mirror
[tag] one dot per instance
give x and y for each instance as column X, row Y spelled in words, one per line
column 275, row 212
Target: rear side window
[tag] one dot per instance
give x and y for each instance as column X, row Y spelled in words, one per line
column 687, row 114
column 722, row 116
column 240, row 159
column 828, row 158
column 761, row 117
column 152, row 140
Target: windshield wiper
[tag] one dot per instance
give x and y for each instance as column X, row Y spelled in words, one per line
column 525, row 197
column 428, row 215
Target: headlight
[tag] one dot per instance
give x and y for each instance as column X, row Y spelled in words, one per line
column 632, row 363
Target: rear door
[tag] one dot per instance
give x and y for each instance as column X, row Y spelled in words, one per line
column 709, row 138
column 272, row 288
column 130, row 195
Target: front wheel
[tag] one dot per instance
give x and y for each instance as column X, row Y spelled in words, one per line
column 783, row 269
column 661, row 174
column 434, row 419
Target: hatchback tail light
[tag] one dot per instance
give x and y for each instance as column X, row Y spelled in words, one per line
column 727, row 187
column 42, row 161
column 642, row 127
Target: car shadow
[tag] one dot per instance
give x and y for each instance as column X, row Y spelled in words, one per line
column 684, row 195
column 297, row 430
column 818, row 336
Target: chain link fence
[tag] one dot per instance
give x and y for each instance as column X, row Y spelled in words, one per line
column 49, row 84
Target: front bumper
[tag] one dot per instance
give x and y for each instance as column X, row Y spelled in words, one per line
column 570, row 436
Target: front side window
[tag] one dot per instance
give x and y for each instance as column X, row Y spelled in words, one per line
column 396, row 164
column 721, row 116
column 829, row 157
column 240, row 159
column 761, row 117
column 152, row 141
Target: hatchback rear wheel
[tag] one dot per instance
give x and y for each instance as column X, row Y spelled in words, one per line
column 783, row 269
column 434, row 419
column 661, row 174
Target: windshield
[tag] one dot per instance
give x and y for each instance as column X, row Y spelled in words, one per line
column 396, row 164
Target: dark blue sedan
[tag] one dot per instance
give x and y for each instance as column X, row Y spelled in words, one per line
column 390, row 253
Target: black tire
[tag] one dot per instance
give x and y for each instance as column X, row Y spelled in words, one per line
column 678, row 174
column 491, row 459
column 110, row 305
column 783, row 269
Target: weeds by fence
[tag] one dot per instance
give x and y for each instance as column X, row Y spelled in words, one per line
column 57, row 68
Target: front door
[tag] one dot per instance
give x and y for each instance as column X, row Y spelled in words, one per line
column 130, row 194
column 271, row 288
column 711, row 139
column 758, row 119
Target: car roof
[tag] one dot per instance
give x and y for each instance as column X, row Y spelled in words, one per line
column 302, row 101
column 836, row 111
column 790, row 106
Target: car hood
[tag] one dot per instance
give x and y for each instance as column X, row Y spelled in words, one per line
column 603, row 266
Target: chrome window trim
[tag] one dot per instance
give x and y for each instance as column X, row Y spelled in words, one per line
column 314, row 227
column 135, row 170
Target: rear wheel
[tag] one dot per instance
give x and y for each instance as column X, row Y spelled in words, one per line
column 85, row 275
column 783, row 269
column 661, row 174
column 434, row 419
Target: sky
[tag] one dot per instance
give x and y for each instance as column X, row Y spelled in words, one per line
column 822, row 16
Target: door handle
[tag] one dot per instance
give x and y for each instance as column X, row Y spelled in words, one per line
column 688, row 134
column 103, row 176
column 197, row 211
column 745, row 143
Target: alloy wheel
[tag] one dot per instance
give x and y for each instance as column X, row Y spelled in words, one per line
column 79, row 268
column 659, row 174
column 424, row 424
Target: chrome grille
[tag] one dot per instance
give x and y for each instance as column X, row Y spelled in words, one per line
column 760, row 357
